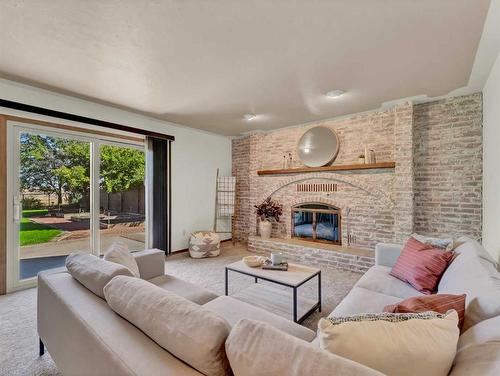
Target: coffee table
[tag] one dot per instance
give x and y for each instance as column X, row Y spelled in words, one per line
column 294, row 277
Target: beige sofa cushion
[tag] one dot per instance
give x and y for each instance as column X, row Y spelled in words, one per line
column 257, row 349
column 394, row 343
column 187, row 290
column 468, row 247
column 361, row 300
column 92, row 272
column 119, row 253
column 478, row 350
column 484, row 332
column 473, row 274
column 185, row 329
column 378, row 279
column 232, row 310
column 483, row 360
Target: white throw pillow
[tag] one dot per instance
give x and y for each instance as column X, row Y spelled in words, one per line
column 394, row 343
column 119, row 253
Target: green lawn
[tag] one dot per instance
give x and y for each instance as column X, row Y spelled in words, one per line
column 34, row 233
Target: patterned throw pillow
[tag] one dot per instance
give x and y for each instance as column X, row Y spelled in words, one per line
column 445, row 243
column 440, row 303
column 400, row 344
column 386, row 316
column 421, row 265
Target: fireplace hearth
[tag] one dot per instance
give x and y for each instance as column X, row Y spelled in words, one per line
column 317, row 223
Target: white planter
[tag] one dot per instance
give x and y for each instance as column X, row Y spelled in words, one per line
column 265, row 228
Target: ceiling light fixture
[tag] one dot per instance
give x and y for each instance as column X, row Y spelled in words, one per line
column 335, row 93
column 249, row 117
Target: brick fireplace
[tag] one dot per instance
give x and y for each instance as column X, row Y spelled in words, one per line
column 317, row 222
column 435, row 187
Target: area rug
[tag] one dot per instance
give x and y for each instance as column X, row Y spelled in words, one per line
column 18, row 336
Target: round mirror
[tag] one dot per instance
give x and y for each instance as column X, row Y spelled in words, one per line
column 318, row 146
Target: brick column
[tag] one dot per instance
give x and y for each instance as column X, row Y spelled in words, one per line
column 403, row 188
column 255, row 183
column 240, row 150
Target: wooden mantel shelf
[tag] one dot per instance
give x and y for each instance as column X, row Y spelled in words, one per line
column 350, row 167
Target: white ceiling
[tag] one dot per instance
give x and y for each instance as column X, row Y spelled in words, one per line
column 206, row 63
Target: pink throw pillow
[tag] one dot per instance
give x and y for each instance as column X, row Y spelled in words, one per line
column 440, row 303
column 421, row 265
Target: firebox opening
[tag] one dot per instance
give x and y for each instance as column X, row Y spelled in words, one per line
column 317, row 222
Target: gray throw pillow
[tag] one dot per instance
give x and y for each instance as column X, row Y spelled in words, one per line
column 93, row 272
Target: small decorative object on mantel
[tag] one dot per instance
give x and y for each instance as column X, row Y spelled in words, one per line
column 371, row 157
column 269, row 211
column 361, row 159
column 290, row 160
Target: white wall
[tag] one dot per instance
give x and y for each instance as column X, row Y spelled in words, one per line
column 491, row 162
column 196, row 155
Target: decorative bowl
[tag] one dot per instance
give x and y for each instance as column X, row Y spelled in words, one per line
column 253, row 261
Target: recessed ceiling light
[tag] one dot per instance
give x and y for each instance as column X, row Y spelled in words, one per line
column 249, row 117
column 335, row 93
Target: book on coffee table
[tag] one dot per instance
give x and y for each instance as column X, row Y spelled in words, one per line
column 268, row 265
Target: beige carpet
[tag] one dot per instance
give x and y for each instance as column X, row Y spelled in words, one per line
column 19, row 341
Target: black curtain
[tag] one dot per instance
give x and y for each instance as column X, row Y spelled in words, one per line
column 159, row 191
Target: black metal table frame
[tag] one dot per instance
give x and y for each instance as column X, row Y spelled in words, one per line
column 317, row 305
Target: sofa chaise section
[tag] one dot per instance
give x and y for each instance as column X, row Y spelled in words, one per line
column 85, row 337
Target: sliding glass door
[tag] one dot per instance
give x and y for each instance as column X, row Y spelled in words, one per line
column 70, row 192
column 122, row 196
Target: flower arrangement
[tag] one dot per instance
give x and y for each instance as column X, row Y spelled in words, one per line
column 269, row 210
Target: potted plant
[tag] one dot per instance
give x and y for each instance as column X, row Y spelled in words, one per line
column 361, row 158
column 269, row 211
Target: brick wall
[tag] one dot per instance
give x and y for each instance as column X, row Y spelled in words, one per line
column 448, row 166
column 384, row 205
column 314, row 256
column 241, row 169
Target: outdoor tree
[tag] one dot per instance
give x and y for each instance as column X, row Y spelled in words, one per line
column 75, row 173
column 41, row 158
column 121, row 168
column 62, row 167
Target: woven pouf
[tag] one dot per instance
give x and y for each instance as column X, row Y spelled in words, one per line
column 204, row 244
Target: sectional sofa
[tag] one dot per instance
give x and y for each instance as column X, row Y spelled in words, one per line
column 85, row 336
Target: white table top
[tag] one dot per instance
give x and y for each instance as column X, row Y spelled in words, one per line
column 294, row 276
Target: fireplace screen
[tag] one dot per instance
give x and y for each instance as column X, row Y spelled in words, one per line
column 316, row 222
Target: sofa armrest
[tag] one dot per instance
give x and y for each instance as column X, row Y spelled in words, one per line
column 151, row 263
column 386, row 254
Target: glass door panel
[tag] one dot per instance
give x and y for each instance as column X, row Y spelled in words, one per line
column 51, row 200
column 69, row 192
column 122, row 196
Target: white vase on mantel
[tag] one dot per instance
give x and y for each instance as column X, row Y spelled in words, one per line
column 265, row 228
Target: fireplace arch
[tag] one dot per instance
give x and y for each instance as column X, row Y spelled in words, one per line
column 317, row 222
